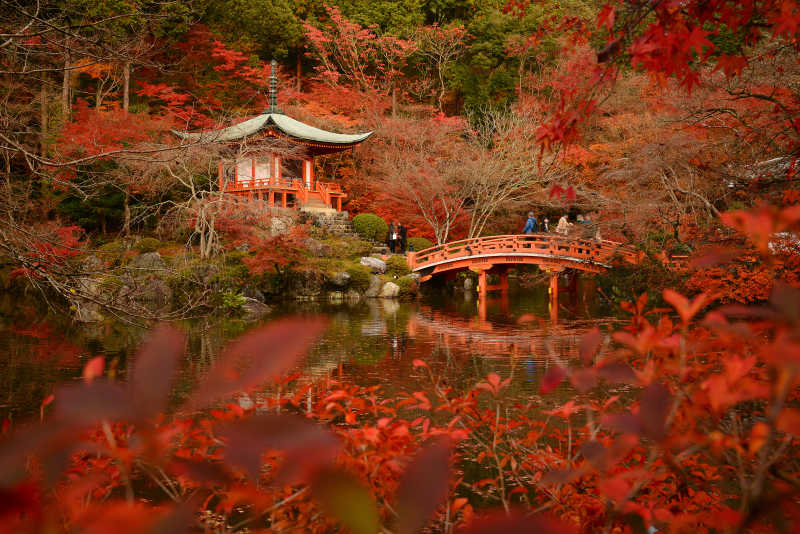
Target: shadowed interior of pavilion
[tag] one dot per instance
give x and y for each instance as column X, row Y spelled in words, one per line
column 270, row 157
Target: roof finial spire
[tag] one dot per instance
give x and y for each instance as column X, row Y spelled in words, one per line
column 273, row 87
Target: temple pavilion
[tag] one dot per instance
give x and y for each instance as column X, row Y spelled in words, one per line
column 271, row 157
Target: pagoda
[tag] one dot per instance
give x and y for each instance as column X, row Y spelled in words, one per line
column 274, row 157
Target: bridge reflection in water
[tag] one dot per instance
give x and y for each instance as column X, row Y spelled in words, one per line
column 554, row 254
column 378, row 341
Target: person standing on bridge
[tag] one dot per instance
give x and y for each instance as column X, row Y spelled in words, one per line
column 546, row 225
column 563, row 225
column 531, row 225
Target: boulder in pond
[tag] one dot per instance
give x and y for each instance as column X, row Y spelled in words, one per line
column 254, row 309
column 389, row 290
column 339, row 279
column 154, row 291
column 375, row 284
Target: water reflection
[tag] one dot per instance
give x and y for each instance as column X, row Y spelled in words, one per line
column 371, row 342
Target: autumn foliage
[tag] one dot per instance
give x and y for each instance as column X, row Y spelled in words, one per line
column 659, row 115
column 659, row 431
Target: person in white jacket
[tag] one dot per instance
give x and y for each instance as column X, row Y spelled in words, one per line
column 563, row 225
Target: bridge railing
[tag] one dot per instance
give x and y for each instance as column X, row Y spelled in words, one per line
column 596, row 251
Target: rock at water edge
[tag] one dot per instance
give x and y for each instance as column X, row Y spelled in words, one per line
column 340, row 279
column 389, row 290
column 254, row 309
column 375, row 284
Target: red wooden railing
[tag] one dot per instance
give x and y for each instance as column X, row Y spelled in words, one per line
column 543, row 245
column 326, row 191
column 325, row 196
column 261, row 183
column 302, row 192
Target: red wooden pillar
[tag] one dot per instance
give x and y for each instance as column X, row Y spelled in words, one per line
column 271, row 198
column 482, row 284
column 283, row 200
column 219, row 175
column 308, row 173
column 338, row 203
column 253, row 171
column 553, row 290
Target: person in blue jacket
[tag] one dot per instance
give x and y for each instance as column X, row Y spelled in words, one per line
column 531, row 226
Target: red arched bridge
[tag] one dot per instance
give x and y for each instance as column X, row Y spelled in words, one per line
column 496, row 254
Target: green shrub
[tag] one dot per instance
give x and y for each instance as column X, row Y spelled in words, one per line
column 232, row 302
column 355, row 248
column 408, row 287
column 370, row 226
column 111, row 252
column 148, row 244
column 235, row 257
column 397, row 265
column 419, row 243
column 359, row 277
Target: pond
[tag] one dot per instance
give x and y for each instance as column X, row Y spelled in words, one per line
column 368, row 343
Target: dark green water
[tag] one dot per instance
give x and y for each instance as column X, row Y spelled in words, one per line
column 371, row 342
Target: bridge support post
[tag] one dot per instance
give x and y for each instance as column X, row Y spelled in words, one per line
column 553, row 290
column 482, row 284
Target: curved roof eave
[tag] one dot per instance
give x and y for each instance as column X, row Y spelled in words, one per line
column 300, row 130
column 231, row 133
column 284, row 123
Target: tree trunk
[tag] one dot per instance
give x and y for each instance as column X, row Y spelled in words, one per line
column 299, row 69
column 126, row 86
column 442, row 88
column 65, row 87
column 126, row 226
column 394, row 98
column 43, row 117
column 98, row 94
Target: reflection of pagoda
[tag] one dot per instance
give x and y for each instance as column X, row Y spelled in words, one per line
column 283, row 177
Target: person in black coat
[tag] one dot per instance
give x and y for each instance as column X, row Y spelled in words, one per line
column 402, row 233
column 391, row 237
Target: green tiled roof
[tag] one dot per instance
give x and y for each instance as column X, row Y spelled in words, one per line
column 278, row 121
